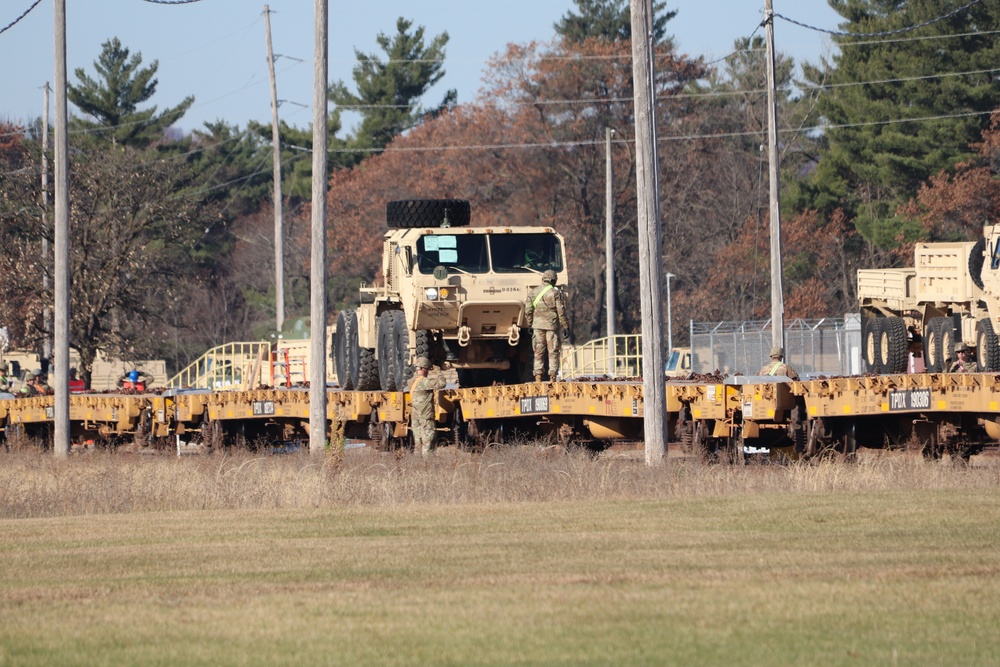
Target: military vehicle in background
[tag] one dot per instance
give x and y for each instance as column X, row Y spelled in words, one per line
column 679, row 362
column 449, row 292
column 950, row 296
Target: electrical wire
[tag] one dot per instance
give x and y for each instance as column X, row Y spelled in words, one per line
column 171, row 2
column 18, row 19
column 884, row 33
column 601, row 142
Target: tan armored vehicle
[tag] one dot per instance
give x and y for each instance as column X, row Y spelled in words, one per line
column 951, row 295
column 452, row 293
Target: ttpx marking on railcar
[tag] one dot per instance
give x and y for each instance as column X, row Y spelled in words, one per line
column 534, row 404
column 263, row 408
column 910, row 399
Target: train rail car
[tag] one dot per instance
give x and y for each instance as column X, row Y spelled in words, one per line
column 719, row 419
column 953, row 412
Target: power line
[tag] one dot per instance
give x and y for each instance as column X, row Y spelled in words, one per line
column 18, row 19
column 884, row 33
column 681, row 96
column 171, row 2
column 920, row 38
column 596, row 142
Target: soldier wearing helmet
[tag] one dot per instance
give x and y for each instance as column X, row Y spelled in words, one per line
column 5, row 381
column 545, row 312
column 34, row 385
column 777, row 366
column 422, row 406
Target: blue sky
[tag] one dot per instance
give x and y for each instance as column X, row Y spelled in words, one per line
column 215, row 50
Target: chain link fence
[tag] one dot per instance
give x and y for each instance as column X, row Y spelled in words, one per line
column 828, row 346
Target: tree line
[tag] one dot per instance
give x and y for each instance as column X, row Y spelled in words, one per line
column 889, row 142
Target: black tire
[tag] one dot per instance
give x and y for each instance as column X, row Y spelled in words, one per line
column 386, row 352
column 893, row 353
column 401, row 348
column 415, row 213
column 947, row 338
column 368, row 378
column 424, row 345
column 987, row 346
column 933, row 353
column 345, row 352
column 976, row 260
column 869, row 345
column 936, row 353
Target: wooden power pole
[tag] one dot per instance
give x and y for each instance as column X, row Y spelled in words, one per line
column 46, row 283
column 777, row 298
column 60, row 372
column 279, row 251
column 650, row 235
column 609, row 238
column 317, row 277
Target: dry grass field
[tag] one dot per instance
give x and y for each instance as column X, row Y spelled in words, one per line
column 515, row 556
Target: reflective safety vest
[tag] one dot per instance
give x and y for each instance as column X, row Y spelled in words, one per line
column 534, row 304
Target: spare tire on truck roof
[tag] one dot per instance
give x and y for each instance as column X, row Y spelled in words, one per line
column 415, row 213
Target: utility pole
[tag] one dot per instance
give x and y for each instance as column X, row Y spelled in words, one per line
column 60, row 381
column 47, row 309
column 279, row 244
column 317, row 278
column 609, row 237
column 777, row 297
column 650, row 235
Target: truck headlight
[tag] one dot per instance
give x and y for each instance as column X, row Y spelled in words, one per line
column 431, row 293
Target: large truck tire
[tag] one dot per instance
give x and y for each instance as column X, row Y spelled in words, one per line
column 976, row 261
column 934, row 353
column 386, row 352
column 947, row 337
column 869, row 344
column 893, row 347
column 987, row 346
column 394, row 367
column 346, row 350
column 416, row 213
column 368, row 379
column 401, row 346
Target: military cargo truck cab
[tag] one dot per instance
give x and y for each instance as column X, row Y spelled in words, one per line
column 450, row 292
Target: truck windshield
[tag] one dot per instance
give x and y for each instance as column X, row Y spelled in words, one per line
column 522, row 253
column 466, row 252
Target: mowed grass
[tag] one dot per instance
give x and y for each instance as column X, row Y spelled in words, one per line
column 664, row 568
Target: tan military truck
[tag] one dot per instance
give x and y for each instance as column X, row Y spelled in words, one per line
column 450, row 292
column 949, row 296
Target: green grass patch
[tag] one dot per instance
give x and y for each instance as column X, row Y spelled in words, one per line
column 905, row 577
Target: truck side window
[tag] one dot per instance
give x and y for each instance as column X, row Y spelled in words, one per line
column 995, row 263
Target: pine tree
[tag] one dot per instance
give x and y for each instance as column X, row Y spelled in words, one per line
column 900, row 107
column 389, row 90
column 113, row 99
column 608, row 19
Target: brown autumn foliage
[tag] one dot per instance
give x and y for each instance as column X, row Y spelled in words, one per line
column 16, row 169
column 530, row 151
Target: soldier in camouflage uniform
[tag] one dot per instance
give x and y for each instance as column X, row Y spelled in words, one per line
column 546, row 315
column 5, row 382
column 34, row 385
column 777, row 366
column 422, row 406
